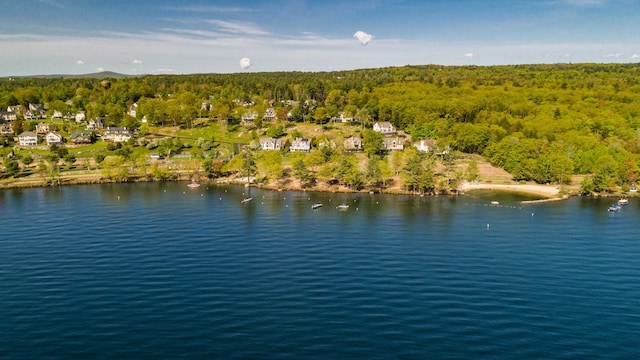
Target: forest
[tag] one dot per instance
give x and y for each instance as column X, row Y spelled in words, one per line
column 542, row 123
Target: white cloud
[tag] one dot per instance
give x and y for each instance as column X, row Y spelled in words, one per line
column 136, row 62
column 585, row 2
column 201, row 9
column 80, row 62
column 635, row 56
column 51, row 3
column 245, row 63
column 363, row 37
column 614, row 55
column 100, row 69
column 237, row 27
column 468, row 56
column 162, row 70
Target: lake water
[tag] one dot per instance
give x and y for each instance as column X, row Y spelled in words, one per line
column 159, row 270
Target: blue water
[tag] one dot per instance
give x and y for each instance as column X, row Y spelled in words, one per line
column 162, row 271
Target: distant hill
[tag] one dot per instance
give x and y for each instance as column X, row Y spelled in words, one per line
column 97, row 75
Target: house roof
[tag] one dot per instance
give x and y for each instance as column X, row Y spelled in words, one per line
column 384, row 124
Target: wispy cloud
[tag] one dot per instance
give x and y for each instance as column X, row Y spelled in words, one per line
column 207, row 9
column 80, row 62
column 237, row 27
column 635, row 56
column 197, row 33
column 52, row 3
column 137, row 62
column 162, row 70
column 585, row 2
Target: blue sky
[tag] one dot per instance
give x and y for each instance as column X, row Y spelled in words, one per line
column 196, row 36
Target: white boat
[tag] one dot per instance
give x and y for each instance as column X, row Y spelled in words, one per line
column 193, row 184
column 342, row 207
column 495, row 203
column 623, row 201
column 614, row 208
column 246, row 200
column 316, row 206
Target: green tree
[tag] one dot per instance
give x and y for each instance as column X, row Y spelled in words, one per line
column 11, row 167
column 472, row 173
column 212, row 167
column 301, row 172
column 248, row 164
column 372, row 142
column 374, row 173
column 604, row 177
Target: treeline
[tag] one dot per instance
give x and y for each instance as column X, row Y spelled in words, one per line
column 539, row 122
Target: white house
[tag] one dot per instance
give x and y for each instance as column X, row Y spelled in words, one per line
column 384, row 127
column 28, row 138
column 53, row 138
column 36, row 111
column 249, row 116
column 425, row 145
column 56, row 114
column 269, row 115
column 6, row 129
column 80, row 117
column 392, row 143
column 95, row 124
column 116, row 134
column 343, row 117
column 270, row 144
column 300, row 144
column 133, row 110
column 8, row 116
column 353, row 143
column 42, row 129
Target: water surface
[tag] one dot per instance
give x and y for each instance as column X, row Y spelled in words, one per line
column 163, row 271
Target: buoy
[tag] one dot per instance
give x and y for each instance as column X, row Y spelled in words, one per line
column 487, row 226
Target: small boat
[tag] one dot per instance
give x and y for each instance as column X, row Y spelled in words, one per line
column 316, row 206
column 193, row 184
column 614, row 208
column 495, row 203
column 246, row 200
column 623, row 201
column 342, row 207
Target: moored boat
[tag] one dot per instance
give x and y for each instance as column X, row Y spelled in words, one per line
column 342, row 207
column 193, row 184
column 316, row 206
column 623, row 201
column 246, row 200
column 614, row 208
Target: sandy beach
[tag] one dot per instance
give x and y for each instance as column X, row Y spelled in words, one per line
column 548, row 191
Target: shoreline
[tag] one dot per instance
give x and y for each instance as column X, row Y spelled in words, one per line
column 546, row 192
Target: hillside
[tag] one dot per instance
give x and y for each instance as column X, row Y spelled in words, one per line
column 539, row 123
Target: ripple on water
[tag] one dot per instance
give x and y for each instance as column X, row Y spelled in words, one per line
column 143, row 272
